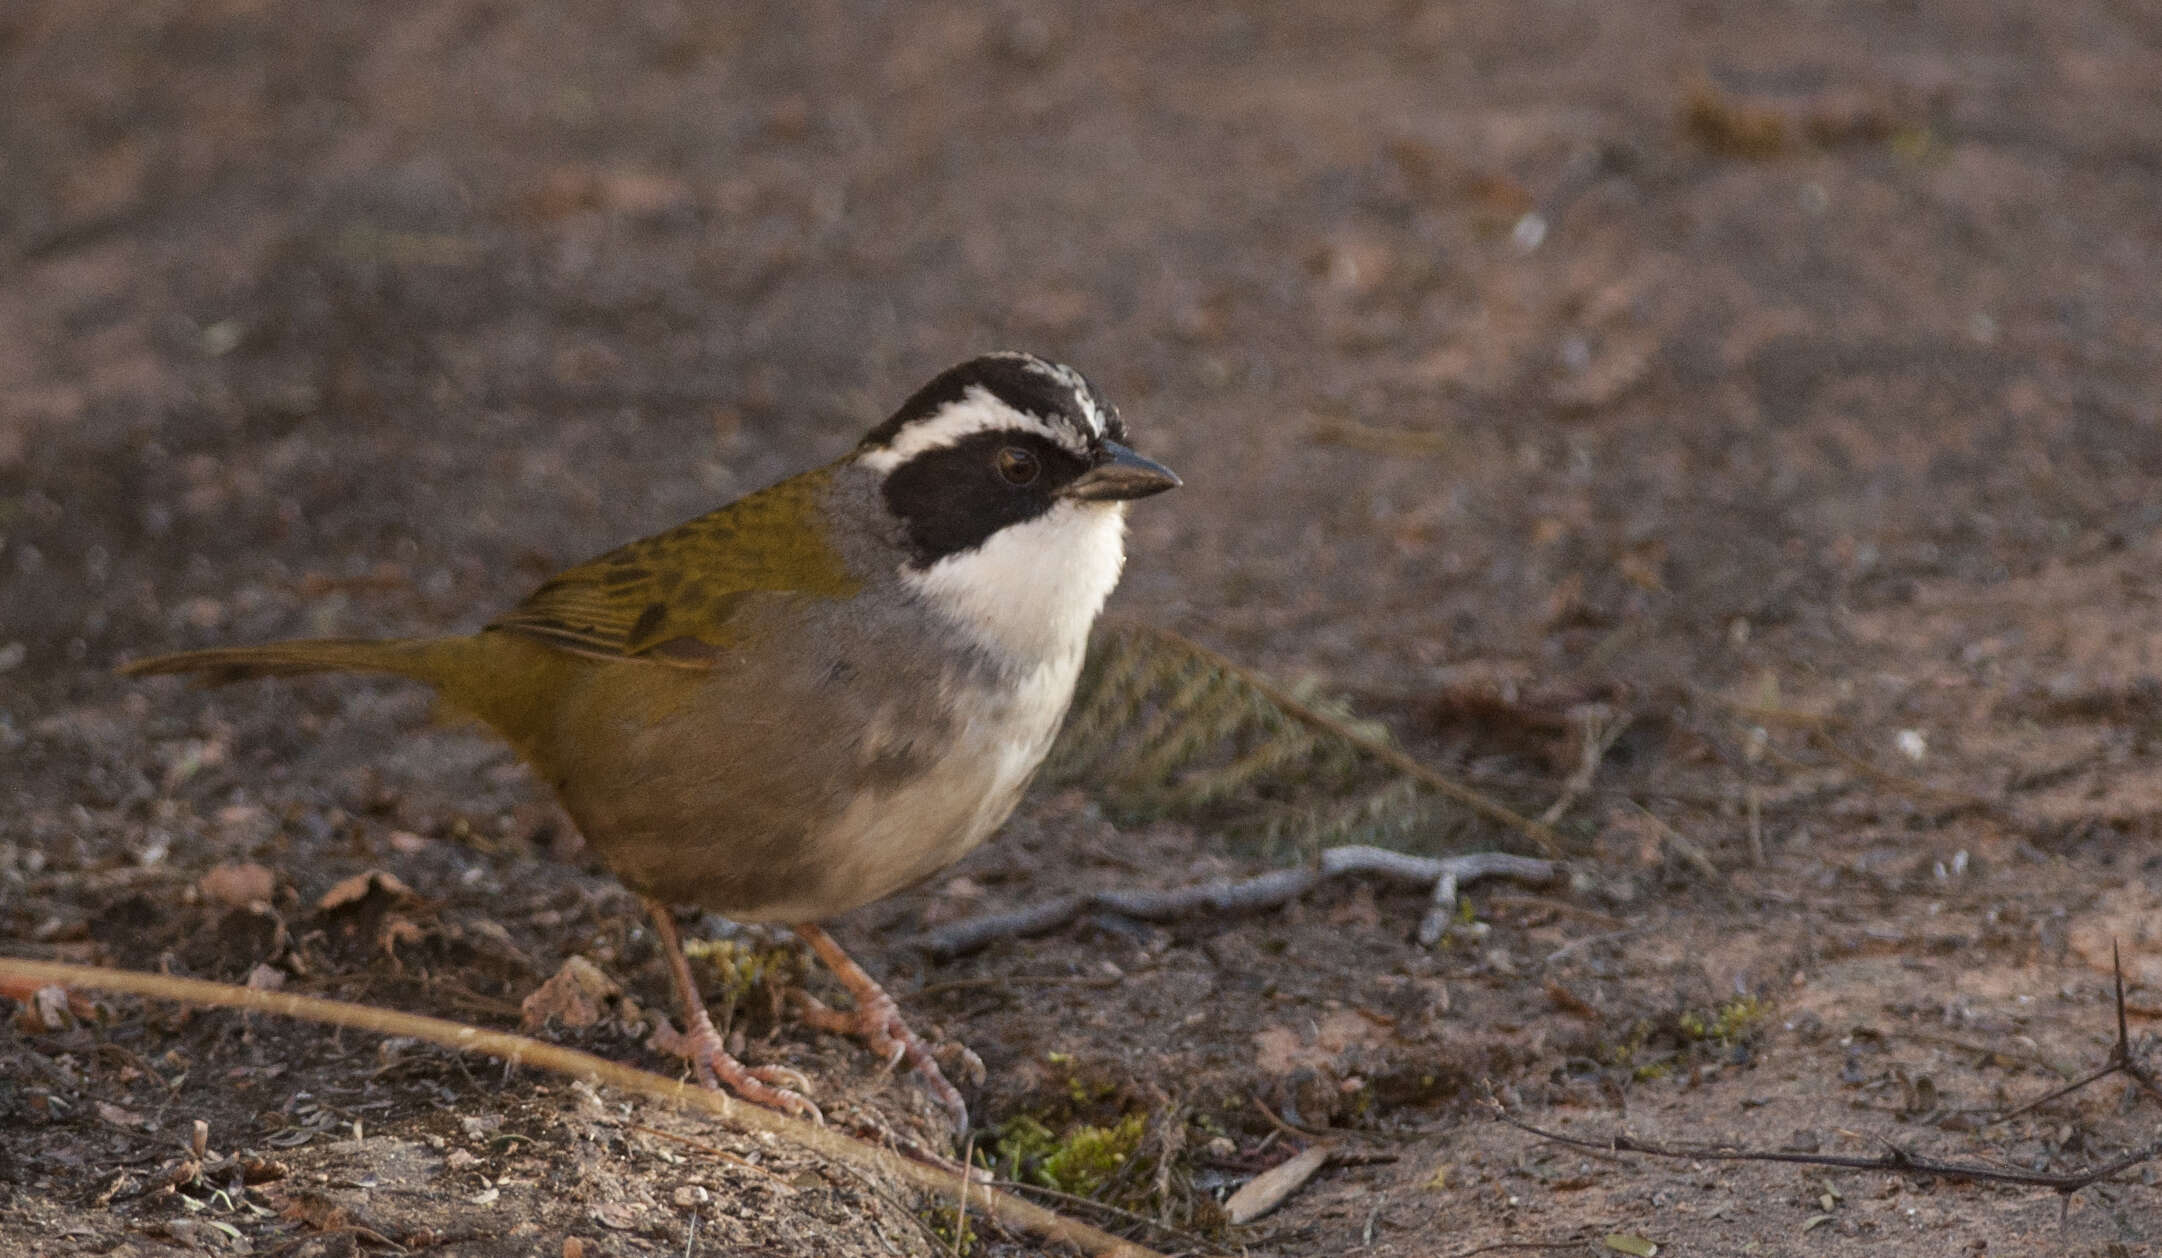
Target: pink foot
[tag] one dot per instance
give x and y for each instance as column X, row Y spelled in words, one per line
column 876, row 1020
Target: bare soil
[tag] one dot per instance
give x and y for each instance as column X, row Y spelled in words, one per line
column 1785, row 380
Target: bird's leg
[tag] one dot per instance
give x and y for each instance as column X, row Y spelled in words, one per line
column 775, row 1087
column 876, row 1020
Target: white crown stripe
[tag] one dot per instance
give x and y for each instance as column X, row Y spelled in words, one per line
column 979, row 410
column 1070, row 380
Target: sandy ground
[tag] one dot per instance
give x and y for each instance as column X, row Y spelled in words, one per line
column 1783, row 380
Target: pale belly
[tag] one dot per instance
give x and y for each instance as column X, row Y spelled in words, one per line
column 794, row 828
column 891, row 838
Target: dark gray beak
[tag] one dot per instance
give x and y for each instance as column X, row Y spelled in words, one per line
column 1120, row 475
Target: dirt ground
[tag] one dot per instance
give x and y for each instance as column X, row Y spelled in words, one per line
column 1783, row 380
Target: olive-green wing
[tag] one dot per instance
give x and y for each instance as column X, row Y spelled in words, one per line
column 671, row 597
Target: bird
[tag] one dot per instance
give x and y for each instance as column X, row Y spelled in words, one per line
column 814, row 696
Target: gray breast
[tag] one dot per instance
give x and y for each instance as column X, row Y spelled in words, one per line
column 865, row 748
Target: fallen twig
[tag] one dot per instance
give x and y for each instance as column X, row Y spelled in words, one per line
column 2120, row 1058
column 1901, row 784
column 1001, row 1207
column 1600, row 727
column 1194, row 1244
column 1234, row 895
column 1898, row 1160
column 1894, row 1159
column 1503, row 1246
column 1276, row 1121
column 1686, row 847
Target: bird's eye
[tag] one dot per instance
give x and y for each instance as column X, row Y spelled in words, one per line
column 1017, row 465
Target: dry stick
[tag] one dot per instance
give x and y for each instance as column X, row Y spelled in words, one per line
column 1501, row 1246
column 1601, row 730
column 1195, row 1244
column 1297, row 1133
column 1899, row 783
column 960, row 1206
column 516, row 1050
column 714, row 1151
column 1440, row 912
column 2096, row 1075
column 1234, row 895
column 1683, row 844
column 1898, row 1159
column 2120, row 1057
column 1493, row 810
column 1753, row 751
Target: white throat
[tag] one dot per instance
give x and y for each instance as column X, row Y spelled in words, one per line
column 1030, row 591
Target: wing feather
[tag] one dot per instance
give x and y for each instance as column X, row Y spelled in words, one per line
column 671, row 597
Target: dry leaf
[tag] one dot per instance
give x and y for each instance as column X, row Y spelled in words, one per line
column 238, row 884
column 575, row 996
column 357, row 888
column 617, row 1215
column 1266, row 1191
column 122, row 1117
column 1630, row 1243
column 310, row 1209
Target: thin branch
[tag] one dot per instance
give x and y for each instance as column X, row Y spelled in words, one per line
column 1440, row 912
column 1297, row 1133
column 1195, row 1244
column 1547, row 839
column 1233, row 895
column 2120, row 1057
column 1898, row 1160
column 1601, row 727
column 2093, row 1076
column 1895, row 1159
column 515, row 1050
column 1687, row 847
column 1501, row 1246
column 1901, row 784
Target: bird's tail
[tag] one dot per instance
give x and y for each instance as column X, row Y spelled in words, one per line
column 422, row 659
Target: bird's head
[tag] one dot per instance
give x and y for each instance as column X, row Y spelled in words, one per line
column 1007, row 476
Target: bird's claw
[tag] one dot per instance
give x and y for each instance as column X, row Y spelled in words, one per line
column 878, row 1023
column 962, row 1060
column 775, row 1087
